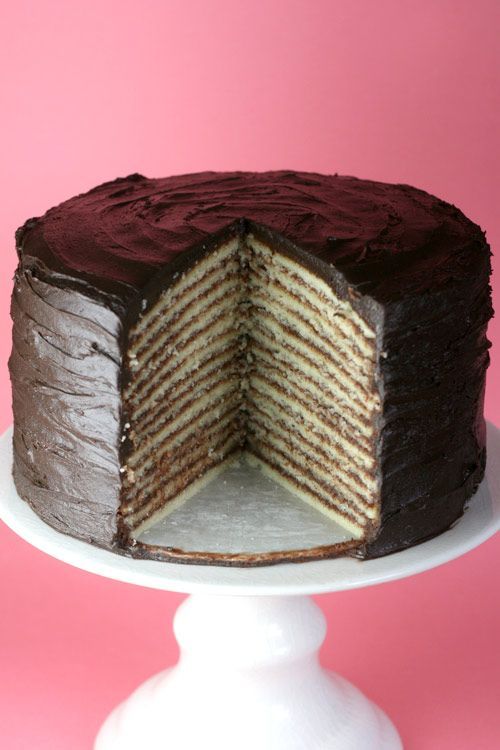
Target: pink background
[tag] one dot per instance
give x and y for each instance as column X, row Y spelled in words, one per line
column 396, row 90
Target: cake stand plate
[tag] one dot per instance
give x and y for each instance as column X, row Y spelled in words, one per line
column 248, row 675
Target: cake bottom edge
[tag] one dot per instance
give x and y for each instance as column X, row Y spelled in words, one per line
column 408, row 527
column 415, row 524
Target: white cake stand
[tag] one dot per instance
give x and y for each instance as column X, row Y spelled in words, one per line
column 249, row 676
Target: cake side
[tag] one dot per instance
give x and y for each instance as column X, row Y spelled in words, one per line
column 433, row 438
column 65, row 371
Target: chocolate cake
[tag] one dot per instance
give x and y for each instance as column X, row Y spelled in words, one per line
column 330, row 329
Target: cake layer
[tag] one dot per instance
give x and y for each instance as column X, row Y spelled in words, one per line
column 171, row 467
column 172, row 338
column 294, row 373
column 287, row 477
column 313, row 289
column 175, row 311
column 167, row 453
column 223, row 335
column 334, row 476
column 183, row 290
column 222, row 367
column 287, row 360
column 330, row 455
column 184, row 399
column 305, row 309
column 223, row 396
column 297, row 408
column 332, row 343
column 206, row 326
column 311, row 432
column 173, row 486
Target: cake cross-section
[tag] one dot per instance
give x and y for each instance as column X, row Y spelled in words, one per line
column 248, row 352
column 330, row 330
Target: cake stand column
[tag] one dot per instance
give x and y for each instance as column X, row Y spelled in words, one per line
column 249, row 678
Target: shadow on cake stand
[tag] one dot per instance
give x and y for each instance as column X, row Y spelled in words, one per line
column 248, row 675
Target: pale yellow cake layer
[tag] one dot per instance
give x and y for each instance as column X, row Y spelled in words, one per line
column 209, row 433
column 334, row 477
column 168, row 312
column 218, row 401
column 203, row 327
column 286, row 359
column 361, row 461
column 331, row 461
column 333, row 342
column 194, row 473
column 193, row 358
column 184, row 281
column 315, row 360
column 186, row 494
column 190, row 354
column 336, row 423
column 222, row 300
column 202, row 388
column 202, row 377
column 270, row 398
column 356, row 528
column 301, row 380
column 307, row 305
column 204, row 422
column 318, row 291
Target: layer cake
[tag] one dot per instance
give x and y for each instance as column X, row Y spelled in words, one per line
column 329, row 329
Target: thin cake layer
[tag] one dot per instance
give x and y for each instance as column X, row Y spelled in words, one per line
column 284, row 372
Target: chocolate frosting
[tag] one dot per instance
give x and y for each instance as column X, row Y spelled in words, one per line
column 388, row 241
column 415, row 267
column 65, row 366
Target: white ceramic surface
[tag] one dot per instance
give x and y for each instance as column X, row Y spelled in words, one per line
column 248, row 678
column 248, row 675
column 244, row 511
column 481, row 520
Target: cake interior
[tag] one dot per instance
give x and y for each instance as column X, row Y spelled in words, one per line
column 250, row 354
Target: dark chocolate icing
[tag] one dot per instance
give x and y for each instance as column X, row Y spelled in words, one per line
column 415, row 267
column 387, row 240
column 65, row 366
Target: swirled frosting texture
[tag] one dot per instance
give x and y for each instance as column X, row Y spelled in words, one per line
column 415, row 266
column 388, row 241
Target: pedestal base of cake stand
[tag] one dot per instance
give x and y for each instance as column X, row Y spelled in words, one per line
column 248, row 675
column 248, row 678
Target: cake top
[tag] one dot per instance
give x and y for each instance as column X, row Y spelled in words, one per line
column 388, row 241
